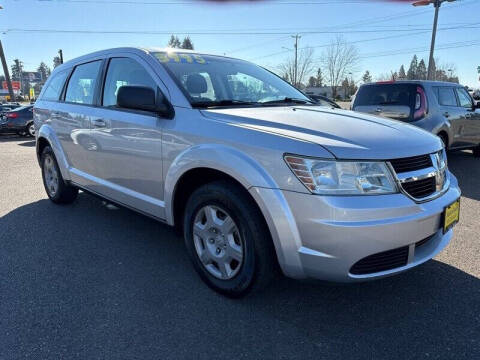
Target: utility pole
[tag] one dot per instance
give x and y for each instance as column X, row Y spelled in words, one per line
column 7, row 74
column 436, row 4
column 60, row 54
column 295, row 73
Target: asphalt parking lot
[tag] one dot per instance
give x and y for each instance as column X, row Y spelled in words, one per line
column 87, row 282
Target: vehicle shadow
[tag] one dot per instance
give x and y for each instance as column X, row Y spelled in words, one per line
column 467, row 170
column 96, row 281
column 30, row 143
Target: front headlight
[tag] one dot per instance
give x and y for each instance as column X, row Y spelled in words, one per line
column 330, row 177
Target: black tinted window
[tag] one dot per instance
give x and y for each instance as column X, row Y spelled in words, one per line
column 386, row 94
column 446, row 96
column 81, row 86
column 55, row 86
column 121, row 72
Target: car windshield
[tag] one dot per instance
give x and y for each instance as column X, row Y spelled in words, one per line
column 210, row 81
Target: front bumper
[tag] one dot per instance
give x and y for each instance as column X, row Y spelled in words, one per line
column 324, row 236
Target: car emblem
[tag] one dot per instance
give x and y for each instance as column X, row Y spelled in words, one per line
column 439, row 171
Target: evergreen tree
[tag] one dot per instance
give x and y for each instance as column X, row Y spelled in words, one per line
column 187, row 43
column 56, row 61
column 312, row 81
column 17, row 69
column 412, row 70
column 174, row 42
column 367, row 78
column 319, row 82
column 421, row 70
column 44, row 71
column 401, row 73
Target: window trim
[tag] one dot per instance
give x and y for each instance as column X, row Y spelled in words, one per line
column 95, row 90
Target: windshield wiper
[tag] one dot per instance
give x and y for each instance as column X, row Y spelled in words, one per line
column 207, row 104
column 288, row 100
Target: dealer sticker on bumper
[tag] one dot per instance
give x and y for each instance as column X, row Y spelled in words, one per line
column 451, row 215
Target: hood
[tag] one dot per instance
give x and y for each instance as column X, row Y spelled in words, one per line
column 346, row 134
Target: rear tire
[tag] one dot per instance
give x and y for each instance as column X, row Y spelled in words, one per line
column 231, row 262
column 57, row 190
column 31, row 129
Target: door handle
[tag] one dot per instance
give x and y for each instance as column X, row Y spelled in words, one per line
column 99, row 123
column 446, row 114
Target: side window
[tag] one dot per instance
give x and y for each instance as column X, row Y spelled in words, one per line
column 464, row 97
column 446, row 96
column 81, row 86
column 124, row 71
column 55, row 86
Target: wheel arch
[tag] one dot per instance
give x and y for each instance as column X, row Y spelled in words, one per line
column 46, row 137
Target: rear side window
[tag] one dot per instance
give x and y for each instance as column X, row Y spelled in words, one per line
column 386, row 94
column 55, row 86
column 465, row 99
column 121, row 72
column 82, row 83
column 446, row 96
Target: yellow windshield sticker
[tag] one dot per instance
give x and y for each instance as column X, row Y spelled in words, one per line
column 166, row 57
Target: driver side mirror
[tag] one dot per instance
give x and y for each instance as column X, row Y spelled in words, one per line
column 143, row 98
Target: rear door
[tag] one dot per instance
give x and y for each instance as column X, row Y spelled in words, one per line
column 391, row 100
column 71, row 119
column 449, row 109
column 128, row 143
column 472, row 117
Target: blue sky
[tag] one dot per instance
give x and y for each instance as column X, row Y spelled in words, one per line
column 246, row 30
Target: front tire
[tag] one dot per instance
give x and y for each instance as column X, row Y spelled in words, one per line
column 57, row 190
column 227, row 239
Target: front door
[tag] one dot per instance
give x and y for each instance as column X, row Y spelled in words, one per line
column 128, row 149
column 472, row 117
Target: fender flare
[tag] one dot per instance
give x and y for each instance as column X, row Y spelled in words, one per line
column 218, row 157
column 46, row 132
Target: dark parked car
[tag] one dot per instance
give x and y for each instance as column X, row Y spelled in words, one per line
column 442, row 108
column 324, row 101
column 19, row 120
column 7, row 107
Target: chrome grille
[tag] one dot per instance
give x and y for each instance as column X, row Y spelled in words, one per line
column 422, row 177
column 411, row 163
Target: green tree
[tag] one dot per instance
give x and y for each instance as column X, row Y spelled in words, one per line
column 187, row 43
column 401, row 73
column 17, row 69
column 367, row 78
column 421, row 70
column 56, row 61
column 174, row 42
column 412, row 70
column 44, row 71
column 319, row 82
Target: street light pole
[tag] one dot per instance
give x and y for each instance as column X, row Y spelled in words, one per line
column 430, row 74
column 436, row 4
column 295, row 73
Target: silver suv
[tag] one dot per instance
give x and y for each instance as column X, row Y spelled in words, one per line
column 256, row 176
column 442, row 108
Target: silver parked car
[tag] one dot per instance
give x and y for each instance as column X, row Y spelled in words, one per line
column 255, row 174
column 442, row 108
